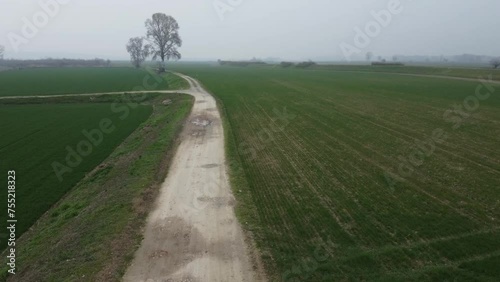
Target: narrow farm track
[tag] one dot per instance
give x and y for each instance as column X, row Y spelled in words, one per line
column 192, row 234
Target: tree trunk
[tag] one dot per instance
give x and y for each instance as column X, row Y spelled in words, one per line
column 161, row 69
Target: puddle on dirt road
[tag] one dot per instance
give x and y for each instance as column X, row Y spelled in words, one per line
column 198, row 133
column 200, row 121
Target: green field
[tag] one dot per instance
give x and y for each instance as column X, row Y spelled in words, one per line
column 43, row 81
column 34, row 137
column 35, row 132
column 314, row 155
column 93, row 230
column 86, row 167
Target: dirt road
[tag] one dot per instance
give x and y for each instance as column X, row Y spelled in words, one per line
column 192, row 234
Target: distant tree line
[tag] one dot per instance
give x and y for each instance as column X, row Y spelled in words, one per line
column 286, row 64
column 460, row 59
column 50, row 62
column 385, row 63
column 303, row 65
column 306, row 64
column 240, row 63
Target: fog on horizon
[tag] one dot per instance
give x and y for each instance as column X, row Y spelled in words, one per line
column 242, row 29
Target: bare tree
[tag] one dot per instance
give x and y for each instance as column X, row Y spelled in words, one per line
column 138, row 51
column 163, row 34
column 369, row 56
column 495, row 63
column 2, row 50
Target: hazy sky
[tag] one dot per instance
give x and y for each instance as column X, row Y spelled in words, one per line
column 240, row 29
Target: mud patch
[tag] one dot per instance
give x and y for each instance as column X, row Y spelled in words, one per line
column 228, row 221
column 181, row 244
column 158, row 254
column 210, row 166
column 198, row 133
column 201, row 121
column 176, row 235
column 218, row 202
